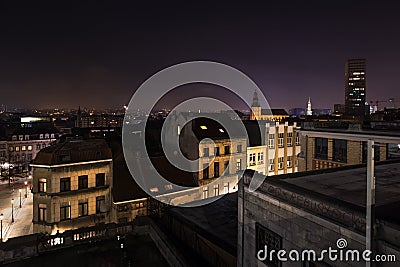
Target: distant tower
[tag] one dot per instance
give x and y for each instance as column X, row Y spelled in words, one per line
column 78, row 118
column 309, row 110
column 255, row 108
column 355, row 87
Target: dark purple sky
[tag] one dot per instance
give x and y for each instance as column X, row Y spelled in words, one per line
column 96, row 55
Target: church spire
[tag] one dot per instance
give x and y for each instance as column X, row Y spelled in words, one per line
column 309, row 110
column 255, row 100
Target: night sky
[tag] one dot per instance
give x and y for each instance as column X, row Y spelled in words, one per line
column 97, row 54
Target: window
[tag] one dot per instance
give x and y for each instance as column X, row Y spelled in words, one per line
column 273, row 241
column 340, row 150
column 226, row 167
column 21, row 138
column 216, row 190
column 82, row 182
column 239, row 148
column 101, row 204
column 289, row 161
column 30, row 157
column 83, row 208
column 29, row 148
column 238, row 164
column 11, row 148
column 271, row 141
column 227, row 150
column 297, row 139
column 65, row 211
column 23, row 148
column 280, row 140
column 37, row 146
column 289, row 139
column 43, row 145
column 205, row 192
column 216, row 151
column 321, row 148
column 41, row 136
column 252, row 159
column 216, row 169
column 17, row 148
column 205, row 171
column 271, row 165
column 261, row 158
column 280, row 163
column 26, row 137
column 100, row 179
column 42, row 185
column 42, row 213
column 206, row 152
column 226, row 188
column 139, row 205
column 52, row 136
column 65, row 184
column 377, row 151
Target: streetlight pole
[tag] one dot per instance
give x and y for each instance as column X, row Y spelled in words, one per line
column 370, row 218
column 20, row 198
column 26, row 189
column 12, row 210
column 1, row 227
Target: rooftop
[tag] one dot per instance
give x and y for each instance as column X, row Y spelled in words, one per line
column 74, row 151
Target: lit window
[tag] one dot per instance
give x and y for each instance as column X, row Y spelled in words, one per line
column 203, row 127
column 221, row 130
column 29, row 148
column 154, row 190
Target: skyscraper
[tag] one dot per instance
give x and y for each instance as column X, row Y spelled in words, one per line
column 355, row 87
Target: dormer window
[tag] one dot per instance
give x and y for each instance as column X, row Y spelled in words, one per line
column 203, row 127
column 14, row 138
column 41, row 136
column 26, row 137
column 221, row 130
column 21, row 138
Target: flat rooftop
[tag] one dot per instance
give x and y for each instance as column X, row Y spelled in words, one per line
column 217, row 221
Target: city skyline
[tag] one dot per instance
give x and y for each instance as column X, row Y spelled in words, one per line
column 98, row 55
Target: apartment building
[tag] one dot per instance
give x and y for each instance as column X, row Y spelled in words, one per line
column 72, row 184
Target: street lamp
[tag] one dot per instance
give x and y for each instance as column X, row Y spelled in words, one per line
column 26, row 189
column 1, row 227
column 12, row 210
column 20, row 198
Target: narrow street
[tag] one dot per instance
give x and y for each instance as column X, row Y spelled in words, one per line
column 22, row 224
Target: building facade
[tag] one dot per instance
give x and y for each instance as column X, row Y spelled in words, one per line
column 72, row 186
column 330, row 148
column 303, row 214
column 279, row 153
column 18, row 149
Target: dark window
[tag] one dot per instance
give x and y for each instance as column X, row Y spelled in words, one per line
column 101, row 204
column 216, row 151
column 321, row 148
column 340, row 150
column 42, row 185
column 65, row 184
column 206, row 152
column 83, row 208
column 123, row 220
column 273, row 241
column 226, row 167
column 205, row 171
column 216, row 169
column 83, row 182
column 227, row 150
column 65, row 211
column 239, row 148
column 377, row 152
column 100, row 179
